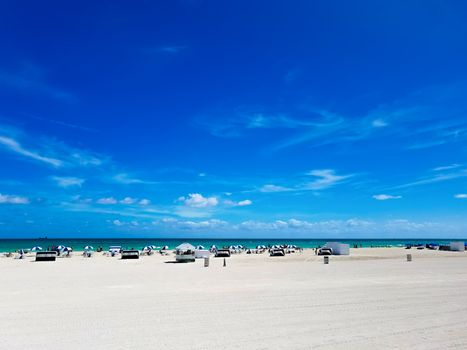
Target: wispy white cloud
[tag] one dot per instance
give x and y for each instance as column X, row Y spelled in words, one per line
column 192, row 225
column 12, row 199
column 118, row 222
column 379, row 123
column 274, row 188
column 107, row 200
column 127, row 200
column 322, row 180
column 197, row 200
column 80, row 200
column 461, row 196
column 66, row 182
column 126, row 179
column 242, row 203
column 447, row 167
column 13, row 146
column 385, row 197
column 437, row 108
column 339, row 227
column 436, row 178
column 326, row 178
column 242, row 120
column 144, row 202
column 46, row 151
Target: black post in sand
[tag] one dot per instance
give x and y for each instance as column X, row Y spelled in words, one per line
column 225, row 263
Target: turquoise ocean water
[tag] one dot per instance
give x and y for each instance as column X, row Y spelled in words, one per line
column 10, row 245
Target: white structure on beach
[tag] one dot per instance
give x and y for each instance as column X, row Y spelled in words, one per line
column 185, row 252
column 202, row 253
column 338, row 248
column 457, row 246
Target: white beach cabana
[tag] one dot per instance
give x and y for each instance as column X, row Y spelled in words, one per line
column 185, row 252
column 457, row 246
column 338, row 248
column 202, row 253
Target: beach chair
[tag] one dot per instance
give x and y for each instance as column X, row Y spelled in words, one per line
column 223, row 253
column 130, row 254
column 46, row 256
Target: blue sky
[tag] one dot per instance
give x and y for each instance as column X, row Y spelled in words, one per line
column 233, row 119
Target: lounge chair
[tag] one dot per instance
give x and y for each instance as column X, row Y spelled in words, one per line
column 46, row 256
column 130, row 254
column 223, row 253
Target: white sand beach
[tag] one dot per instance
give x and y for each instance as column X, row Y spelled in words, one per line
column 372, row 299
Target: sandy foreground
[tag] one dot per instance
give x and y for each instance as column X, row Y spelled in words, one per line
column 373, row 299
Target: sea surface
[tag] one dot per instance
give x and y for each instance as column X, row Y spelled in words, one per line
column 10, row 245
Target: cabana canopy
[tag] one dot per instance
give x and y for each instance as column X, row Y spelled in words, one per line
column 185, row 246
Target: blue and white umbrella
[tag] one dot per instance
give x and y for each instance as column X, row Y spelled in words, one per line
column 148, row 247
column 61, row 247
column 154, row 247
column 36, row 248
column 200, row 247
column 89, row 247
column 165, row 247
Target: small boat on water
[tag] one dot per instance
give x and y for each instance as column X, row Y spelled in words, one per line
column 185, row 252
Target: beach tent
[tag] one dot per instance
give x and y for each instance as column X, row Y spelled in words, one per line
column 185, row 246
column 457, row 246
column 202, row 253
column 338, row 248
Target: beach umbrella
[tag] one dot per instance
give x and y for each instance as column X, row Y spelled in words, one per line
column 148, row 247
column 154, row 247
column 200, row 247
column 61, row 247
column 36, row 248
column 89, row 247
column 165, row 247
